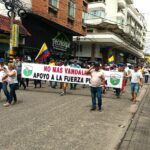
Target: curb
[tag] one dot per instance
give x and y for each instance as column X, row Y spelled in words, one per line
column 124, row 132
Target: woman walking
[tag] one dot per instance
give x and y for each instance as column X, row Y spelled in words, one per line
column 11, row 76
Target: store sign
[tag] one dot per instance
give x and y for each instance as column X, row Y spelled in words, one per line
column 61, row 42
column 15, row 35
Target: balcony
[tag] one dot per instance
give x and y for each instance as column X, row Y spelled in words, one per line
column 99, row 4
column 121, row 4
column 121, row 14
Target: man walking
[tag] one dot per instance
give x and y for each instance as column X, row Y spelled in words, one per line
column 97, row 81
column 136, row 82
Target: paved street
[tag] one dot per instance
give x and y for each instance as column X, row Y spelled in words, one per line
column 44, row 120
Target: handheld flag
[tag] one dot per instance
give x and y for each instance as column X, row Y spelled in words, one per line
column 43, row 53
column 111, row 59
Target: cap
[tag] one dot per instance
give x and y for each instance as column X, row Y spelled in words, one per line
column 120, row 65
column 96, row 63
column 2, row 60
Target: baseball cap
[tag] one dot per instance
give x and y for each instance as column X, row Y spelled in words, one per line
column 96, row 63
column 2, row 60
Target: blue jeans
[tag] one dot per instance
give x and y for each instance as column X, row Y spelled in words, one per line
column 96, row 91
column 146, row 78
column 135, row 87
column 13, row 96
column 4, row 87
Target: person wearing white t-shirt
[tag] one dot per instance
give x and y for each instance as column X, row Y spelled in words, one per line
column 136, row 82
column 146, row 74
column 97, row 82
column 3, row 85
column 11, row 76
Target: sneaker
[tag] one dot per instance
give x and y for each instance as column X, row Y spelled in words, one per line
column 6, row 104
column 62, row 94
column 100, row 110
column 13, row 102
column 92, row 109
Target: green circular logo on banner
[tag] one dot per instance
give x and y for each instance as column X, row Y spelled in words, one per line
column 115, row 79
column 28, row 71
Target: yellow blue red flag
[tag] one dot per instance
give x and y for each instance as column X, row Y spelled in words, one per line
column 43, row 53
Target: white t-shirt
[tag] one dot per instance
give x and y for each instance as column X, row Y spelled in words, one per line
column 146, row 72
column 136, row 76
column 13, row 79
column 2, row 73
column 96, row 78
column 127, row 70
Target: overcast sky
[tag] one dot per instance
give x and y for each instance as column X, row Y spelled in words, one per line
column 144, row 7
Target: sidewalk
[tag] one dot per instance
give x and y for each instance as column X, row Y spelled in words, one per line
column 44, row 120
column 138, row 134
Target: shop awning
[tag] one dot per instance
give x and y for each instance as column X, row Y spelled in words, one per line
column 5, row 26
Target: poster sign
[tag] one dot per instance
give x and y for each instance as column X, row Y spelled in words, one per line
column 15, row 35
column 67, row 74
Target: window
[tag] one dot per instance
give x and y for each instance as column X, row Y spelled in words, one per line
column 120, row 21
column 96, row 14
column 54, row 3
column 84, row 16
column 71, row 9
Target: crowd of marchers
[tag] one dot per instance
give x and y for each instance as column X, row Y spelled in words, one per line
column 10, row 76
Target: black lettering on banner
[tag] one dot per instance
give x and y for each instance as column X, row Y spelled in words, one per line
column 41, row 75
column 81, row 81
column 47, row 76
column 72, row 79
column 34, row 76
column 67, row 78
column 37, row 75
column 52, row 78
column 78, row 79
column 75, row 79
column 58, row 78
column 87, row 80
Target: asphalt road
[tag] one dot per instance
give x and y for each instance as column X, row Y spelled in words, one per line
column 44, row 120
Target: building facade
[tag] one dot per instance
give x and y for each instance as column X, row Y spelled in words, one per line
column 55, row 22
column 113, row 28
column 5, row 36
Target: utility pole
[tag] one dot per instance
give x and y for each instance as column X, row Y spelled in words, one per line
column 12, row 17
column 14, row 7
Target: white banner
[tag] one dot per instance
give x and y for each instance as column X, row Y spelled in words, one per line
column 67, row 74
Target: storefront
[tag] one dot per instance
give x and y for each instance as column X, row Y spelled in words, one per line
column 5, row 36
column 57, row 37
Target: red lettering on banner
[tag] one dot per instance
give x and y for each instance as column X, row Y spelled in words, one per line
column 47, row 68
column 74, row 71
column 57, row 70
